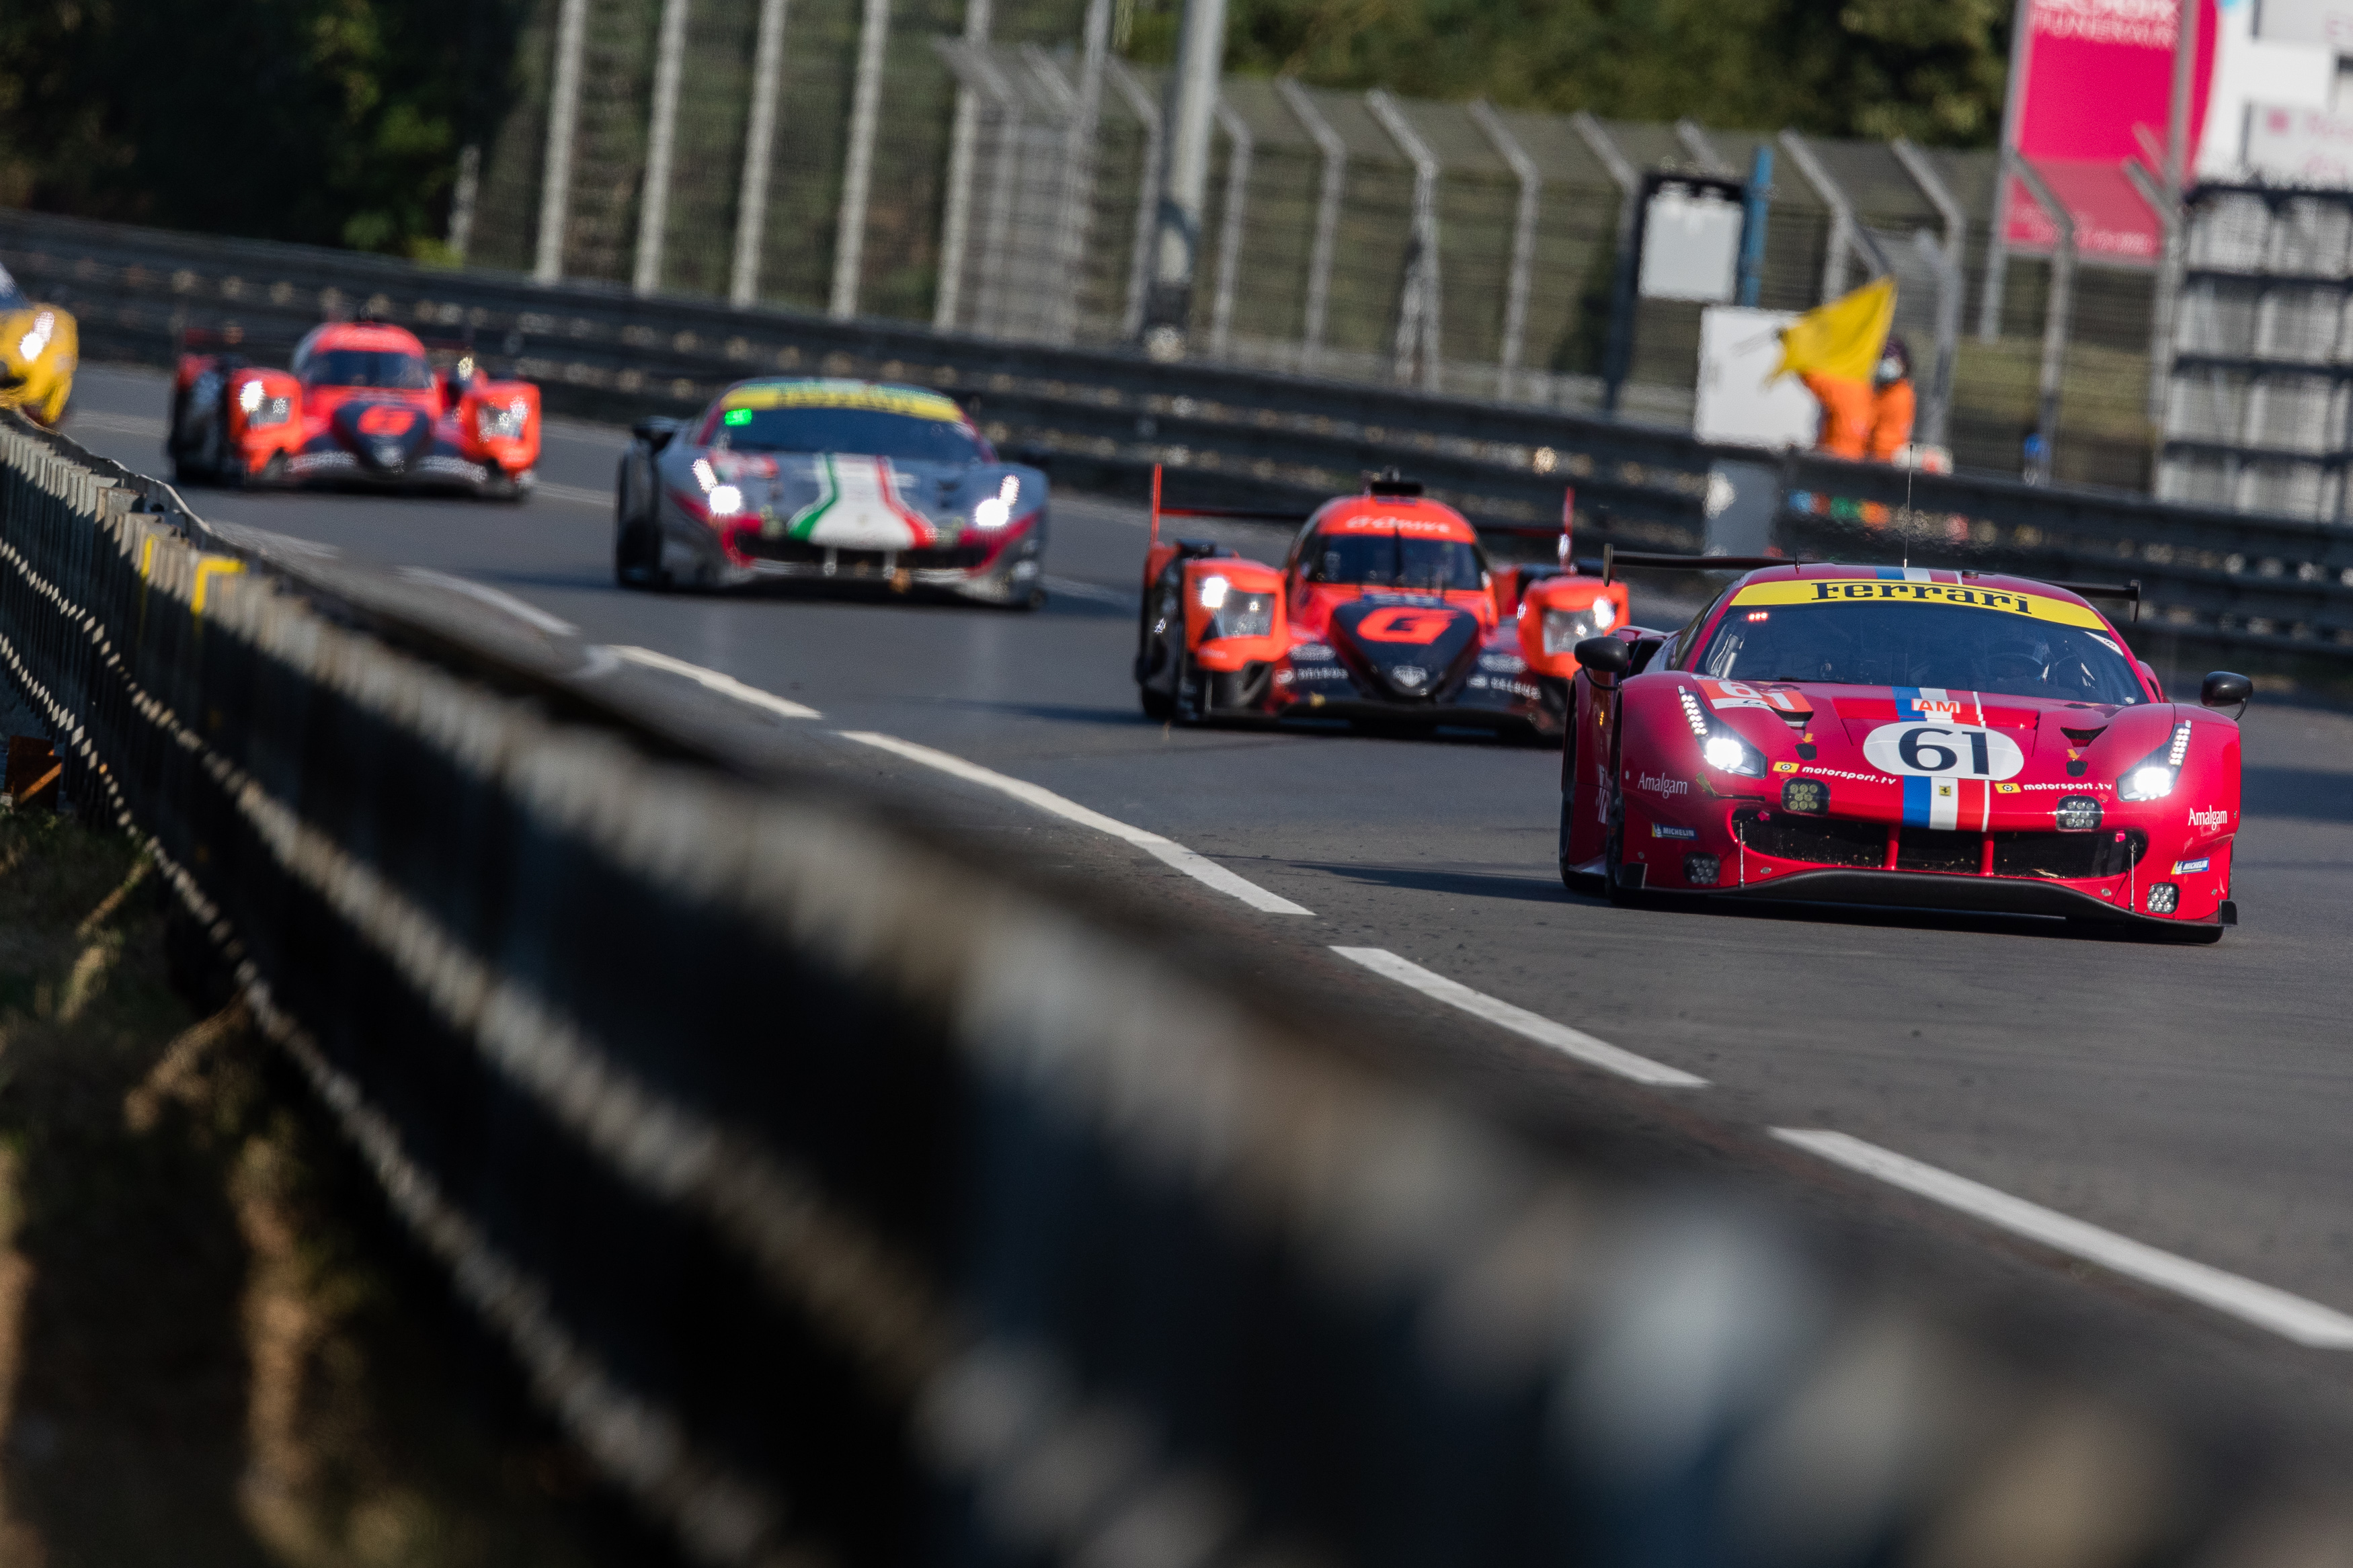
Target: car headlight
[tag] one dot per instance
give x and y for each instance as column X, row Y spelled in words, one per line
column 1235, row 613
column 505, row 423
column 2154, row 776
column 996, row 510
column 260, row 408
column 35, row 340
column 1243, row 615
column 1719, row 746
column 1564, row 629
column 726, row 500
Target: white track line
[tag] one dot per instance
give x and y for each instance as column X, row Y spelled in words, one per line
column 1520, row 1021
column 114, row 424
column 1197, row 867
column 725, row 685
column 2293, row 1317
column 532, row 615
column 575, row 495
column 1072, row 588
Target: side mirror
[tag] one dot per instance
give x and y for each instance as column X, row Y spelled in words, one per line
column 1605, row 655
column 2224, row 689
column 657, row 431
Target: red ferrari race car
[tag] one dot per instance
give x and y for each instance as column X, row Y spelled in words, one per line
column 1386, row 612
column 362, row 405
column 1894, row 736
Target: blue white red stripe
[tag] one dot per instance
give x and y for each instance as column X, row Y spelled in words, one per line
column 1943, row 801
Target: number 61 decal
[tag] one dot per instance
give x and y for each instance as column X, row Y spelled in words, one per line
column 1943, row 751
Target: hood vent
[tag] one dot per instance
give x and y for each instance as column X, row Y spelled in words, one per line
column 2082, row 737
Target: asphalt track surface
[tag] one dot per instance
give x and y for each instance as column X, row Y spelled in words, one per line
column 2193, row 1100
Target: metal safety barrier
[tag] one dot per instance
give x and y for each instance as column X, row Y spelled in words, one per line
column 2274, row 593
column 852, row 1197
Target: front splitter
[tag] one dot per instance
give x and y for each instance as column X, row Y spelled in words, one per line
column 1928, row 891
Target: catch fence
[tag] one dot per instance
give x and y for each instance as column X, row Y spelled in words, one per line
column 2273, row 596
column 851, row 1196
column 966, row 166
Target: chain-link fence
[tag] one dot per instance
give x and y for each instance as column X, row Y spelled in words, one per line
column 958, row 162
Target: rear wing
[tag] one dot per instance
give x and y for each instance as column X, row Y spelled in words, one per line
column 1613, row 558
column 2130, row 591
column 1228, row 513
column 1387, row 482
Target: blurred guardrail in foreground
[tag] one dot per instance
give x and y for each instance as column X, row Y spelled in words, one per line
column 2269, row 594
column 851, row 1197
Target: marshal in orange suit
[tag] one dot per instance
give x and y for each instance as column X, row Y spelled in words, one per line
column 1872, row 421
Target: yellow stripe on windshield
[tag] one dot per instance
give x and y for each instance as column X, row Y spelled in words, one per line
column 1857, row 590
column 845, row 394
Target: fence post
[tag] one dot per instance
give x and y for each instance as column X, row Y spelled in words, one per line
column 955, row 223
column 661, row 135
column 2172, row 228
column 1938, row 420
column 1694, row 141
column 857, row 159
column 2013, row 110
column 1184, row 175
column 1239, row 148
column 989, row 317
column 555, row 166
column 462, row 198
column 1078, row 166
column 1755, row 212
column 1327, row 217
column 759, row 143
column 1524, row 242
column 1147, row 193
column 1843, row 229
column 1624, row 291
column 2054, row 315
column 1417, row 330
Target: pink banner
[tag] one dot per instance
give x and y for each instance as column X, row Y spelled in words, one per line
column 2093, row 70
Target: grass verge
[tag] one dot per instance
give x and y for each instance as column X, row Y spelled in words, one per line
column 214, row 1348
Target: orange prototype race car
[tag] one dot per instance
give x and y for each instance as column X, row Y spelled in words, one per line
column 1386, row 612
column 363, row 407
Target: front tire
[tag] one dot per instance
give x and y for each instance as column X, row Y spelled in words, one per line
column 1613, row 862
column 637, row 559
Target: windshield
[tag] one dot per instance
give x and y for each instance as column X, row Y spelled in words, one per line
column 864, row 432
column 1954, row 647
column 1388, row 560
column 365, row 367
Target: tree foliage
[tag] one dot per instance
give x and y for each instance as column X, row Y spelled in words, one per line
column 333, row 121
column 338, row 121
column 1929, row 70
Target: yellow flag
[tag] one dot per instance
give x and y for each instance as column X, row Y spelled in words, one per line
column 1843, row 338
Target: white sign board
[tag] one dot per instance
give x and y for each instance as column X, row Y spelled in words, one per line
column 2328, row 22
column 1738, row 350
column 2264, row 72
column 1690, row 247
column 2300, row 146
